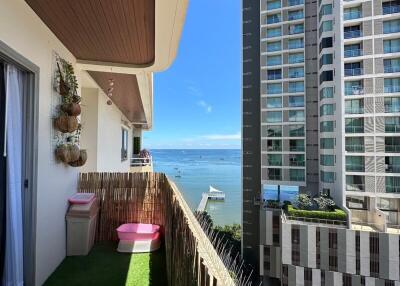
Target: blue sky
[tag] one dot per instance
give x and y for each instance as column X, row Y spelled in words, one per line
column 197, row 100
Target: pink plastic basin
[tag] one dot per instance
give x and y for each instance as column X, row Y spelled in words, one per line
column 138, row 231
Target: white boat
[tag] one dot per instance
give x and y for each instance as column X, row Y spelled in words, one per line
column 214, row 194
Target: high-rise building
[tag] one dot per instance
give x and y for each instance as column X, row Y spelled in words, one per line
column 321, row 111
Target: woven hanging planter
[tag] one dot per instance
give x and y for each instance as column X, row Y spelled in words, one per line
column 72, row 109
column 81, row 161
column 67, row 153
column 66, row 124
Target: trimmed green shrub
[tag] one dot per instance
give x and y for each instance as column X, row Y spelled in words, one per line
column 336, row 214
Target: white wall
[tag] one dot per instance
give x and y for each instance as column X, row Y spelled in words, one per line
column 101, row 133
column 23, row 31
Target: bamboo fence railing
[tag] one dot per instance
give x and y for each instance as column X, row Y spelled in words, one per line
column 152, row 198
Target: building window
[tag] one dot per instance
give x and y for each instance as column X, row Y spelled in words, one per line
column 352, row 13
column 353, row 69
column 327, row 143
column 296, row 29
column 296, row 101
column 295, row 245
column 352, row 50
column 355, row 163
column 274, row 88
column 296, row 175
column 285, row 275
column 274, row 60
column 326, row 126
column 274, row 74
column 325, row 10
column 274, row 145
column 326, row 26
column 327, row 160
column 355, row 183
column 274, row 116
column 273, row 5
column 275, row 18
column 392, row 26
column 358, row 252
column 392, row 164
column 392, row 104
column 274, row 46
column 326, row 43
column 391, row 85
column 392, row 124
column 297, row 145
column 296, row 72
column 326, row 59
column 296, row 160
column 297, row 86
column 307, row 276
column 354, row 87
column 274, row 131
column 124, row 145
column 296, row 115
column 296, row 58
column 296, row 43
column 391, row 46
column 295, row 15
column 326, row 92
column 136, row 145
column 274, row 32
column 357, row 202
column 274, row 174
column 354, row 144
column 392, row 144
column 352, row 32
column 333, row 262
column 327, row 177
column 347, row 279
column 392, row 184
column 296, row 130
column 274, row 159
column 317, row 246
column 390, row 7
column 326, row 76
column 374, row 254
column 274, row 102
column 354, row 125
column 354, row 106
column 327, row 109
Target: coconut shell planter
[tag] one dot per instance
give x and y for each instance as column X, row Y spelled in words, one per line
column 67, row 122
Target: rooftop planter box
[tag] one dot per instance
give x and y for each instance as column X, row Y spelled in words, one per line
column 336, row 214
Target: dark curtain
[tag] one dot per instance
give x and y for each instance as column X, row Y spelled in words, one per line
column 2, row 171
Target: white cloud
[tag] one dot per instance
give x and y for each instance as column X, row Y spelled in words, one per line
column 217, row 137
column 207, row 107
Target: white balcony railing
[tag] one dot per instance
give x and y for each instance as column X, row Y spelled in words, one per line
column 141, row 162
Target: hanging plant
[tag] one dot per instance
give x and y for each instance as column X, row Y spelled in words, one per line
column 72, row 109
column 66, row 124
column 81, row 160
column 67, row 153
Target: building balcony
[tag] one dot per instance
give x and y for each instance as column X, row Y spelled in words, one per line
column 273, row 20
column 353, row 53
column 294, row 178
column 126, row 199
column 274, row 148
column 390, row 168
column 352, row 15
column 355, row 187
column 275, row 177
column 391, row 69
column 390, row 9
column 273, row 5
column 392, row 128
column 392, row 88
column 297, row 16
column 355, row 168
column 392, row 189
column 274, row 77
column 295, row 46
column 294, row 31
column 354, row 110
column 274, row 163
column 355, row 148
column 352, row 34
column 297, row 148
column 294, row 163
column 354, row 129
column 353, row 72
column 392, row 148
column 141, row 164
column 295, row 2
column 392, row 108
column 354, row 90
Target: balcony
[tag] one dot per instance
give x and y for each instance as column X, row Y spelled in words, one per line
column 392, row 88
column 392, row 128
column 295, row 46
column 273, row 20
column 353, row 72
column 274, row 177
column 354, row 110
column 297, row 148
column 354, row 90
column 274, row 77
column 352, row 34
column 274, row 162
column 295, row 163
column 354, row 129
column 392, row 108
column 390, row 9
column 392, row 189
column 294, row 178
column 392, row 148
column 355, row 167
column 141, row 164
column 273, row 5
column 274, row 148
column 295, row 2
column 391, row 69
column 392, row 168
column 296, row 30
column 353, row 53
column 355, row 187
column 356, row 148
column 352, row 15
column 126, row 198
column 295, row 16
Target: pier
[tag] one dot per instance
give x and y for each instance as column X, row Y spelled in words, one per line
column 213, row 194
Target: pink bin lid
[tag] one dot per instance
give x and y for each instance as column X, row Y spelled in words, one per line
column 81, row 198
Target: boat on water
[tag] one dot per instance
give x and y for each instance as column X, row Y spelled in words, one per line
column 215, row 194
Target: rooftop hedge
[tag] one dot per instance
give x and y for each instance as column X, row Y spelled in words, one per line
column 336, row 214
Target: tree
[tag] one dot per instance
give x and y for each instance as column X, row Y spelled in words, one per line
column 325, row 203
column 303, row 201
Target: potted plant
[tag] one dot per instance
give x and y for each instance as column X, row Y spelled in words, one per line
column 66, row 123
column 81, row 160
column 67, row 153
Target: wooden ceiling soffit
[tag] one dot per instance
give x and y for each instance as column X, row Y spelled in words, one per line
column 109, row 31
column 125, row 94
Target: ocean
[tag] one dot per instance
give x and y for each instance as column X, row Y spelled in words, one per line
column 194, row 171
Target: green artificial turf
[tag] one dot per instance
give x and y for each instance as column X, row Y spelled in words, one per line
column 105, row 266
